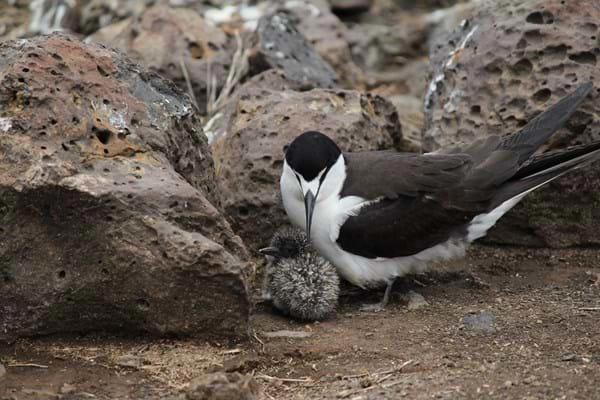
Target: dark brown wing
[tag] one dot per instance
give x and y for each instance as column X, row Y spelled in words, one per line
column 375, row 174
column 422, row 200
column 401, row 227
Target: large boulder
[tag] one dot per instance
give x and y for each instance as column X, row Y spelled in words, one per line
column 506, row 64
column 249, row 156
column 106, row 184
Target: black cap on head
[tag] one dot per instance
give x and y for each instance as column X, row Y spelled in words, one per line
column 310, row 153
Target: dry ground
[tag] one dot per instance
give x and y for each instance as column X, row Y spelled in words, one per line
column 543, row 343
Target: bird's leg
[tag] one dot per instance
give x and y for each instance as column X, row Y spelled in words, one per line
column 266, row 293
column 384, row 301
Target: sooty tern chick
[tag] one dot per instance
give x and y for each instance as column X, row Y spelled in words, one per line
column 298, row 280
column 378, row 215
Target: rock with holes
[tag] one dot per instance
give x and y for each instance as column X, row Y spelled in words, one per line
column 504, row 65
column 106, row 201
column 178, row 44
column 279, row 45
column 249, row 156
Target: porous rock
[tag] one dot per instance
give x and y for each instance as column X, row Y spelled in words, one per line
column 174, row 42
column 249, row 156
column 106, row 185
column 507, row 63
column 279, row 45
column 223, row 386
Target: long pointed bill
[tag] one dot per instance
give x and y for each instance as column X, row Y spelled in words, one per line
column 309, row 207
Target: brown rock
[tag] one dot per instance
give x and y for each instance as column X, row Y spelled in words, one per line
column 96, row 14
column 173, row 42
column 13, row 20
column 410, row 113
column 248, row 158
column 223, row 386
column 394, row 53
column 505, row 65
column 105, row 182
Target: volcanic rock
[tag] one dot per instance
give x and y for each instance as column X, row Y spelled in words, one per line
column 502, row 67
column 106, row 192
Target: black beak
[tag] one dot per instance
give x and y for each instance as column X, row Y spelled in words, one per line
column 309, row 207
column 270, row 251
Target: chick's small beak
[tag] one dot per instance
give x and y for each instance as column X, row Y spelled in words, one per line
column 269, row 251
column 309, row 207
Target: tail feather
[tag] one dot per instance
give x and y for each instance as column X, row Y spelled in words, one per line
column 546, row 168
column 538, row 130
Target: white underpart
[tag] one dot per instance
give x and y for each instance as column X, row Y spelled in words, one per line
column 331, row 212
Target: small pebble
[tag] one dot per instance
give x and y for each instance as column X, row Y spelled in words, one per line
column 483, row 322
column 130, row 361
column 415, row 301
column 67, row 389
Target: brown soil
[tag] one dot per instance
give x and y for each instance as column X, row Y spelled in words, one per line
column 545, row 343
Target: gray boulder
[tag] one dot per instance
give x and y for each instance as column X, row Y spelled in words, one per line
column 107, row 201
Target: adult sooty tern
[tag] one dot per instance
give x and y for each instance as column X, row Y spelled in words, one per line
column 378, row 215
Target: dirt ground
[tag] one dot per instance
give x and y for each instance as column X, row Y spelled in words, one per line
column 532, row 331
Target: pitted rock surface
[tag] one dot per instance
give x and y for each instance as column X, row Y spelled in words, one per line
column 173, row 42
column 509, row 62
column 279, row 45
column 249, row 157
column 105, row 211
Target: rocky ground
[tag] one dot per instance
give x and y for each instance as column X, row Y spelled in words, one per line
column 140, row 153
column 504, row 323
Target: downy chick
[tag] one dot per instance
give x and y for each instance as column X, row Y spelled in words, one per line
column 298, row 280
